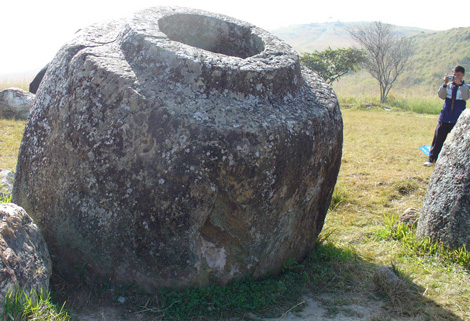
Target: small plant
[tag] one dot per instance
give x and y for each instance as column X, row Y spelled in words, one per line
column 5, row 198
column 406, row 187
column 340, row 196
column 292, row 265
column 22, row 306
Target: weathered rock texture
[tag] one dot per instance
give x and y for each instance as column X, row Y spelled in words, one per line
column 24, row 258
column 178, row 145
column 6, row 181
column 446, row 211
column 16, row 103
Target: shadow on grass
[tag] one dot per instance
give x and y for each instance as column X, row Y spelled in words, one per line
column 338, row 274
column 344, row 274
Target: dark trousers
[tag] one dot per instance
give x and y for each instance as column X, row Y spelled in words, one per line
column 440, row 135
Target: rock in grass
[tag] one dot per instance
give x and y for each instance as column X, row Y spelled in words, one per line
column 16, row 103
column 386, row 279
column 6, row 181
column 24, row 259
column 178, row 146
column 396, row 289
column 409, row 217
column 446, row 211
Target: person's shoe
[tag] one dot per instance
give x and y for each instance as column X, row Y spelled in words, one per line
column 428, row 164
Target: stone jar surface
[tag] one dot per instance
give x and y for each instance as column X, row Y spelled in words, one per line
column 177, row 147
column 446, row 210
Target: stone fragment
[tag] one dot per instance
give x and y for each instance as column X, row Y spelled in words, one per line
column 179, row 146
column 24, row 258
column 15, row 103
column 410, row 217
column 446, row 211
column 386, row 279
column 6, row 181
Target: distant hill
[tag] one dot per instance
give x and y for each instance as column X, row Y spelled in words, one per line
column 318, row 36
column 436, row 52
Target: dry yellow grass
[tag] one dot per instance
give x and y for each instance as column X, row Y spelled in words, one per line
column 382, row 175
column 11, row 132
column 19, row 82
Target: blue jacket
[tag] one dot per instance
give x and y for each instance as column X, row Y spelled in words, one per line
column 451, row 111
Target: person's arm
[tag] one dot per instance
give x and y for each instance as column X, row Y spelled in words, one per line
column 465, row 91
column 442, row 93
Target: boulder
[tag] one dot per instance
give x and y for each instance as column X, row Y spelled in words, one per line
column 24, row 258
column 445, row 216
column 16, row 103
column 6, row 181
column 179, row 146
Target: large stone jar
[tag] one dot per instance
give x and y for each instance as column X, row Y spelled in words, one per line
column 178, row 146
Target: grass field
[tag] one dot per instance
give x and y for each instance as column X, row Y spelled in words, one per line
column 11, row 132
column 18, row 82
column 381, row 176
column 416, row 104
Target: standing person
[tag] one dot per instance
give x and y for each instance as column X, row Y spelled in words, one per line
column 455, row 95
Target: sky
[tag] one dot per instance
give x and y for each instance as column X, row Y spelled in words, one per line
column 32, row 31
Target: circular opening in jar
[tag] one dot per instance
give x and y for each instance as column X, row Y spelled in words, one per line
column 212, row 34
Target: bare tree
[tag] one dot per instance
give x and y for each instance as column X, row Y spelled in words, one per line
column 386, row 53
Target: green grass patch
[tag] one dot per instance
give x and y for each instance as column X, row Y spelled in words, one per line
column 269, row 297
column 328, row 268
column 22, row 306
column 420, row 105
column 424, row 247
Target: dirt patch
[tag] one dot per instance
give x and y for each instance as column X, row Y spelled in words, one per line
column 107, row 314
column 312, row 308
